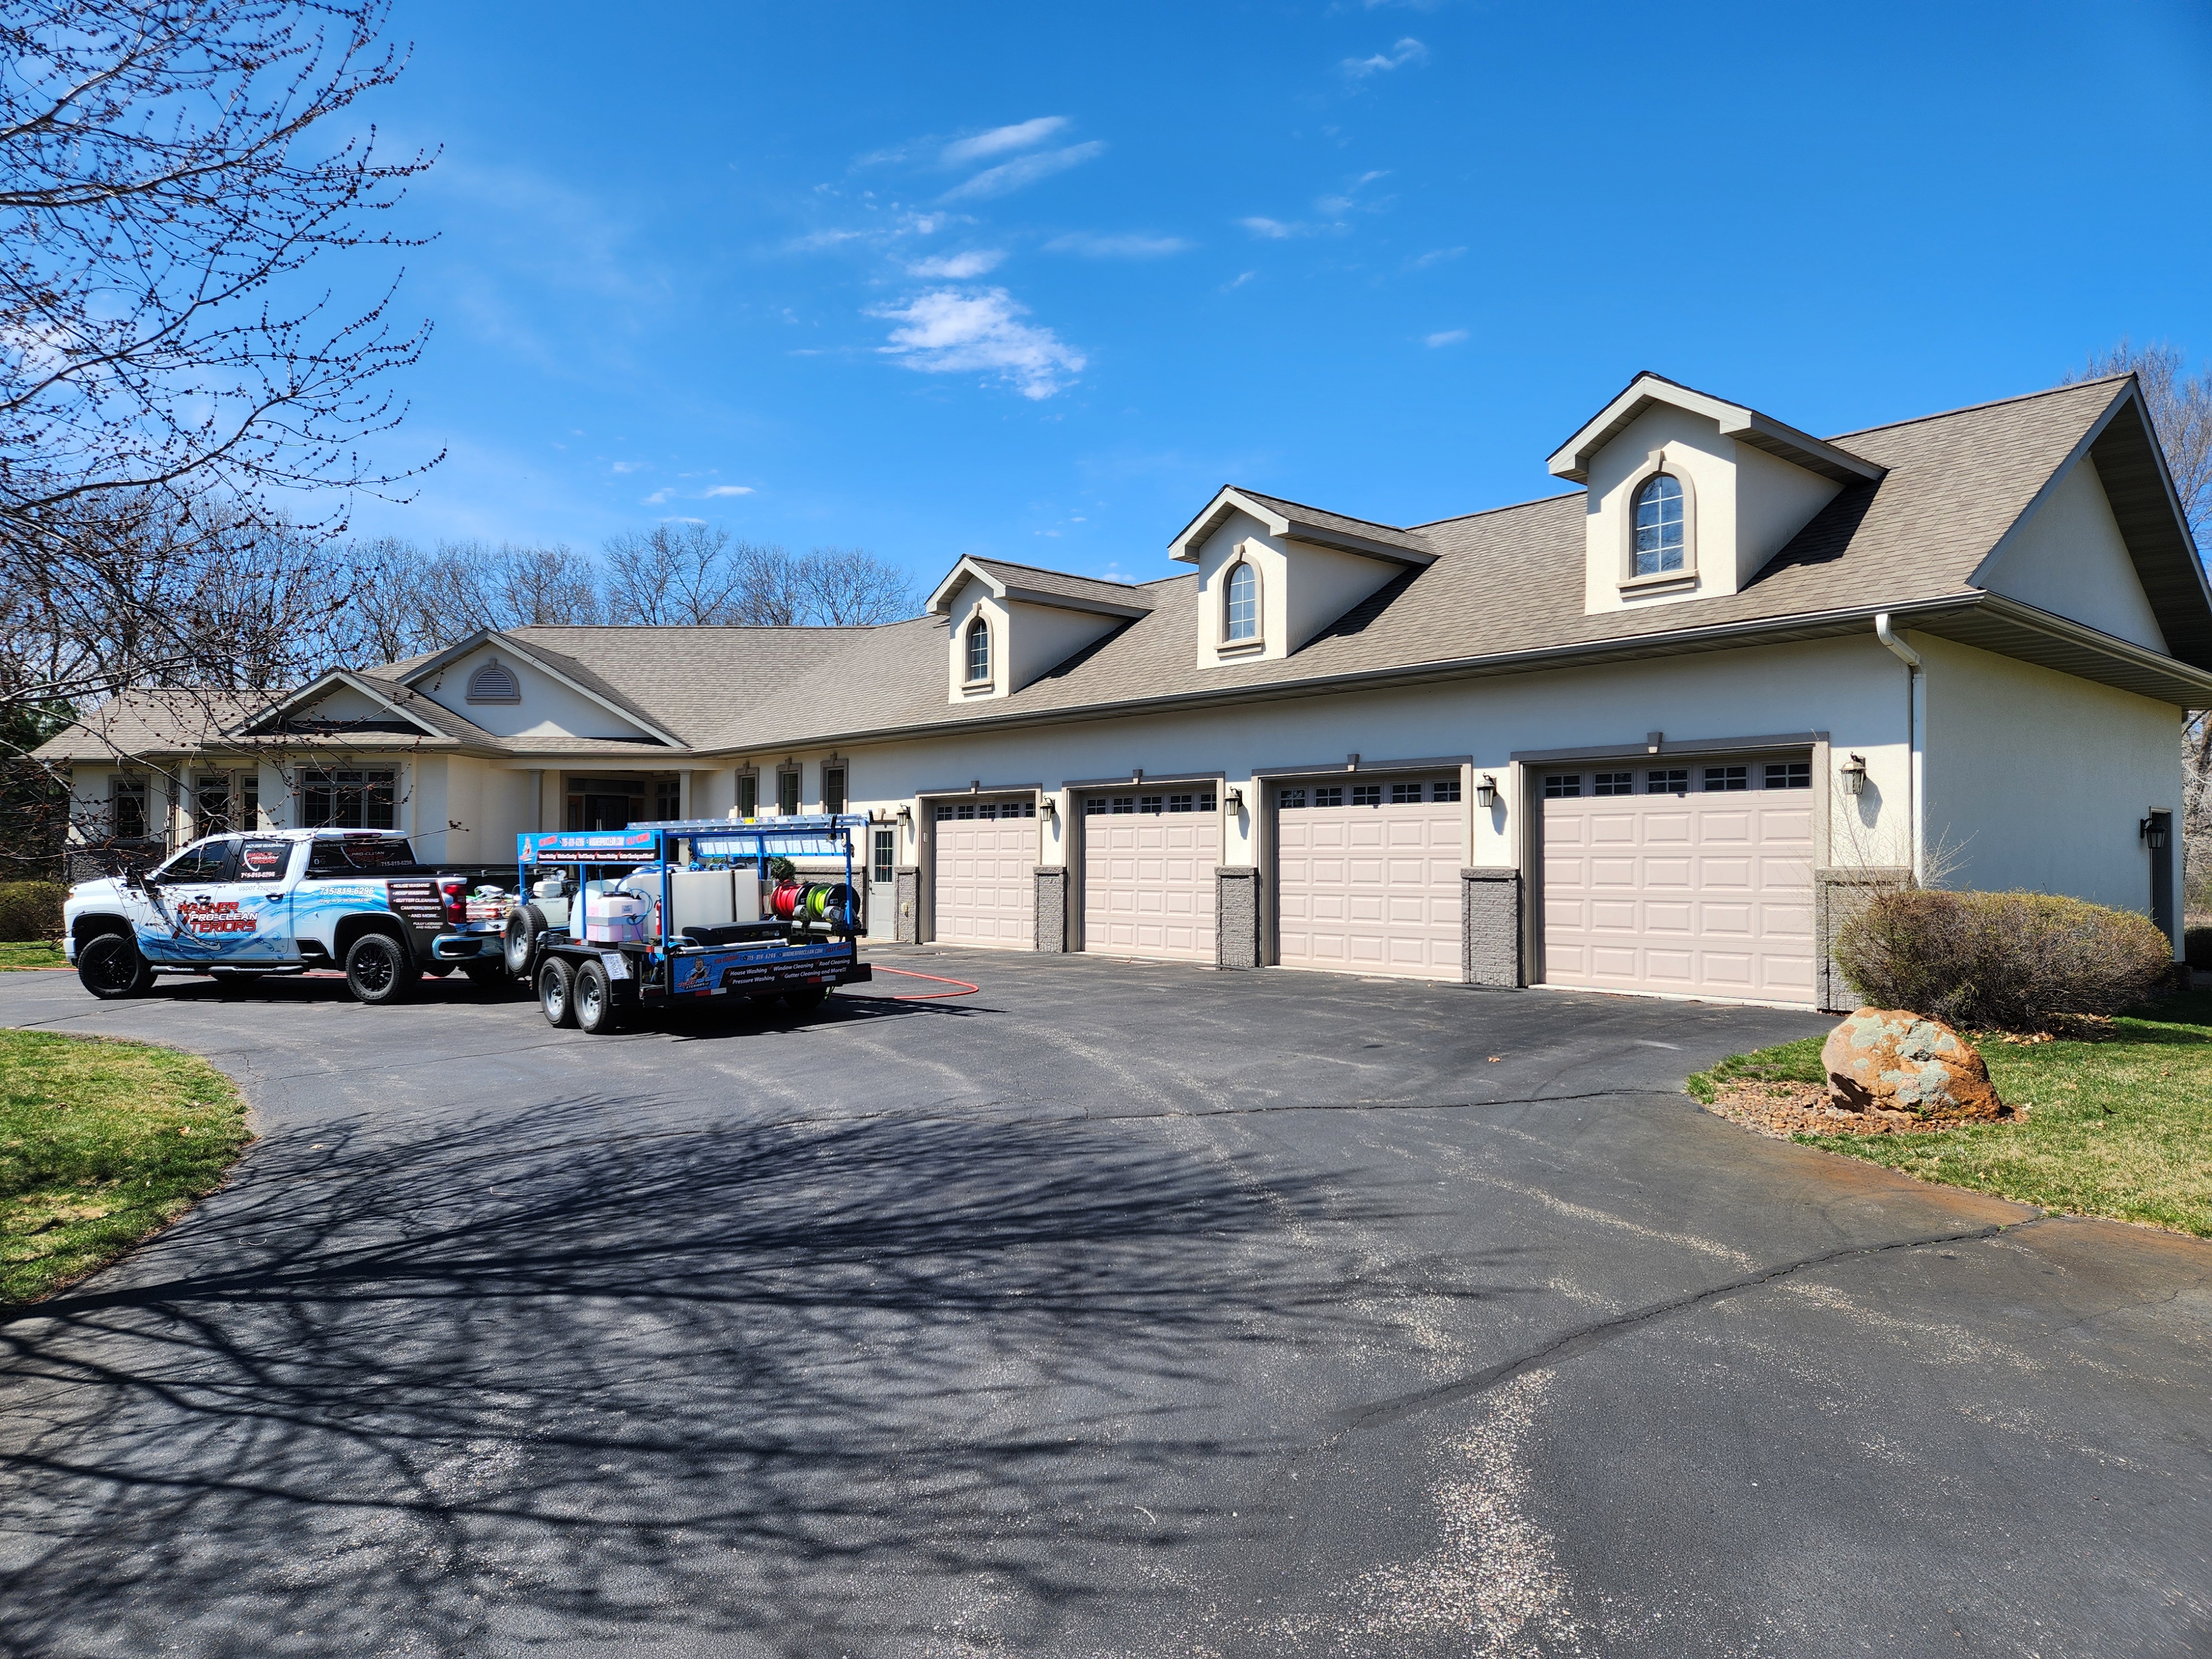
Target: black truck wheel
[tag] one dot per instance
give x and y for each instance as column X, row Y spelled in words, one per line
column 600, row 1007
column 519, row 939
column 556, row 991
column 378, row 971
column 111, row 965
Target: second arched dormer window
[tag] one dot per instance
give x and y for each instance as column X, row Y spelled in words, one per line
column 1240, row 617
column 979, row 651
column 1660, row 526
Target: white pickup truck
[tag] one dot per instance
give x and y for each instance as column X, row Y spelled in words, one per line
column 238, row 907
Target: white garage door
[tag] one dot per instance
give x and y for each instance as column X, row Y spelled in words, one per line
column 1696, row 879
column 1367, row 877
column 1148, row 864
column 986, row 873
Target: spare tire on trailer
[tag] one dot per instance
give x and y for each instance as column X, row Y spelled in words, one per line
column 519, row 939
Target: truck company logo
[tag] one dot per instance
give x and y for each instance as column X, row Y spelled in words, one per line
column 213, row 916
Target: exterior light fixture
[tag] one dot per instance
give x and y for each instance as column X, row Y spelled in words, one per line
column 1235, row 798
column 906, row 814
column 2152, row 831
column 1048, row 806
column 1486, row 792
column 1855, row 776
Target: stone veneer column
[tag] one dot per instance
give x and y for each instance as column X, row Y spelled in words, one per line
column 906, row 927
column 1490, row 928
column 1236, row 916
column 1052, row 908
column 1837, row 896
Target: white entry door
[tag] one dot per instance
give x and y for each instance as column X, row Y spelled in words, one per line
column 986, row 873
column 1367, row 877
column 1148, row 862
column 1696, row 878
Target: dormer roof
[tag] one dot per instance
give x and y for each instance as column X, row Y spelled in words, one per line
column 1747, row 426
column 406, row 709
column 559, row 665
column 1294, row 522
column 1028, row 585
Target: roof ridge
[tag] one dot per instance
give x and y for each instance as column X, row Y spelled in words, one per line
column 1316, row 507
column 1048, row 571
column 1969, row 408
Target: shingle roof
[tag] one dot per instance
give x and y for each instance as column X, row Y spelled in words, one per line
column 1366, row 529
column 1039, row 580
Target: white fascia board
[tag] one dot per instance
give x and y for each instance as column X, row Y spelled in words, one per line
column 1570, row 461
column 335, row 677
column 940, row 598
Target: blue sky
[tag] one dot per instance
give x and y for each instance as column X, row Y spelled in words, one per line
column 1033, row 281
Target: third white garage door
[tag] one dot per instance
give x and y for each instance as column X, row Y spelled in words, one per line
column 986, row 873
column 1148, row 863
column 1367, row 877
column 1696, row 879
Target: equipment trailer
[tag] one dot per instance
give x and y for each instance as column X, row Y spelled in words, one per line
column 615, row 922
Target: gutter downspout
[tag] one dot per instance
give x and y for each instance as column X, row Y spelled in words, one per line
column 1916, row 737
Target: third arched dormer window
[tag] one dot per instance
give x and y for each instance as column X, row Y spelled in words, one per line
column 1661, row 526
column 1240, row 613
column 979, row 651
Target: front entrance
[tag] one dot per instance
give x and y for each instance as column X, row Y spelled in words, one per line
column 617, row 802
column 985, row 871
column 1149, row 854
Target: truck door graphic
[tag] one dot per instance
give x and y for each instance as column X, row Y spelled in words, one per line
column 209, row 921
column 258, row 891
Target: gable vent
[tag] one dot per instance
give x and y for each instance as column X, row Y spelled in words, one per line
column 493, row 683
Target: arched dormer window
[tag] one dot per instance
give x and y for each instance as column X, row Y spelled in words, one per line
column 1240, row 605
column 493, row 683
column 979, row 651
column 1661, row 526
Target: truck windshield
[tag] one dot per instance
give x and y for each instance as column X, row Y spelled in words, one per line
column 356, row 855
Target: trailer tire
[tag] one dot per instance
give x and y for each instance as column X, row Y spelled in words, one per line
column 557, row 992
column 380, row 972
column 111, row 965
column 599, row 1009
column 518, row 940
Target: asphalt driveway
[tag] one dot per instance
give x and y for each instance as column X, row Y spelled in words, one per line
column 1128, row 1309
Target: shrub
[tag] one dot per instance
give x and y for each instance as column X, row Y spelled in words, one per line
column 2000, row 961
column 31, row 909
column 2196, row 946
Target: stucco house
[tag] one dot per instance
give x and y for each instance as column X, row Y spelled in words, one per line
column 1642, row 736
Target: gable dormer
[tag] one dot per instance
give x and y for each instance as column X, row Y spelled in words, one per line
column 497, row 682
column 1273, row 574
column 1688, row 496
column 1007, row 625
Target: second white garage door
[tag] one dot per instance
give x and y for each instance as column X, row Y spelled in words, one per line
column 1367, row 877
column 1148, row 864
column 986, row 873
column 1692, row 879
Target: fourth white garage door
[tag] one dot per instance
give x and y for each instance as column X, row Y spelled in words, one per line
column 1696, row 879
column 1367, row 877
column 1148, row 862
column 986, row 873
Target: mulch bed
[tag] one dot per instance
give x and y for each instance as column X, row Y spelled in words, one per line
column 1784, row 1109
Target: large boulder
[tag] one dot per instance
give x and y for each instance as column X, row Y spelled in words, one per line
column 1884, row 1060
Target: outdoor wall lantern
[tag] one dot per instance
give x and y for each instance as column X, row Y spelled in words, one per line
column 906, row 815
column 1235, row 798
column 1486, row 792
column 1855, row 776
column 1048, row 806
column 2152, row 833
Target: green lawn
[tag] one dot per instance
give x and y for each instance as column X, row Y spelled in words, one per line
column 2119, row 1128
column 31, row 953
column 101, row 1143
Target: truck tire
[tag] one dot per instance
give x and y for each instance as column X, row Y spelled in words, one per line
column 556, row 991
column 599, row 1009
column 111, row 965
column 378, row 971
column 519, row 939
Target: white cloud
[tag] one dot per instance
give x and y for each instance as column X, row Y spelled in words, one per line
column 657, row 498
column 947, row 332
column 958, row 266
column 1408, row 51
column 629, row 466
column 998, row 140
column 1015, row 175
column 1126, row 245
column 727, row 489
column 1446, row 336
column 1435, row 256
column 1273, row 229
column 1238, row 281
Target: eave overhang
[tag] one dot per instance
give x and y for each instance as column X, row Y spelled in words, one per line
column 1289, row 526
column 1747, row 426
column 322, row 687
column 453, row 654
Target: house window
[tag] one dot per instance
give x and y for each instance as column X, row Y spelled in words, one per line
column 226, row 801
column 1719, row 780
column 1613, row 783
column 885, row 855
column 1241, row 612
column 493, row 683
column 1562, row 786
column 833, row 789
column 748, row 794
column 1405, row 795
column 126, row 809
column 979, row 652
column 1674, row 783
column 1367, row 794
column 1446, row 791
column 667, row 800
column 1659, row 525
column 1290, row 799
column 1789, row 774
column 787, row 794
column 350, row 800
column 1331, row 795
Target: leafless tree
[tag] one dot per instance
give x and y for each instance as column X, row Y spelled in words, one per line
column 849, row 587
column 675, row 576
